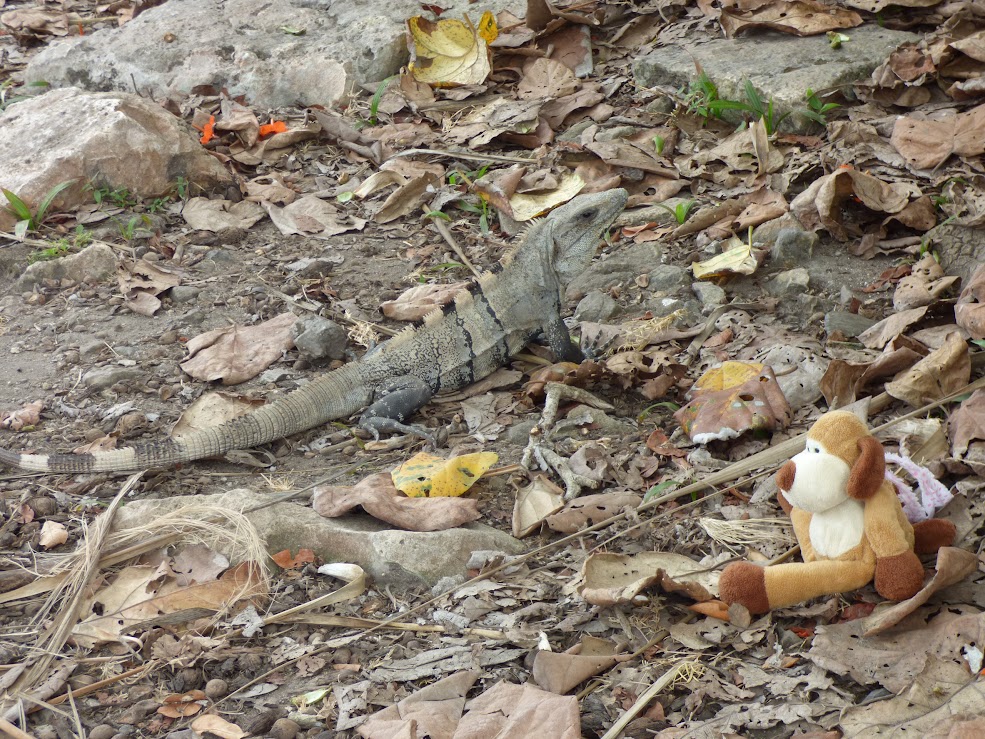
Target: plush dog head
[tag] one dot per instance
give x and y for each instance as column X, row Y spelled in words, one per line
column 841, row 459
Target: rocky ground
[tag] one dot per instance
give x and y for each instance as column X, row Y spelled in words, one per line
column 205, row 224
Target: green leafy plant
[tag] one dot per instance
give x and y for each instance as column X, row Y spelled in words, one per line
column 121, row 197
column 31, row 220
column 755, row 106
column 437, row 214
column 374, row 104
column 181, row 188
column 679, row 211
column 59, row 248
column 701, row 97
column 656, row 490
column 129, row 229
column 7, row 88
column 817, row 109
column 483, row 211
column 664, row 404
column 456, row 177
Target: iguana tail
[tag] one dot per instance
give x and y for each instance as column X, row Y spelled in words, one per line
column 335, row 395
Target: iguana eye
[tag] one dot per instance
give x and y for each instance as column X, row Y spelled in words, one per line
column 589, row 215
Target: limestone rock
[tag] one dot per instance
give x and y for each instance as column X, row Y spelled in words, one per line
column 622, row 267
column 390, row 556
column 242, row 46
column 93, row 264
column 319, row 338
column 781, row 67
column 117, row 140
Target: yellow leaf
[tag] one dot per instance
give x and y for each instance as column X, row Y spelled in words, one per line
column 729, row 374
column 487, row 27
column 450, row 52
column 427, row 475
column 738, row 259
column 530, row 205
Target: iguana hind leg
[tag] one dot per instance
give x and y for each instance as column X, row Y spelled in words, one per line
column 393, row 404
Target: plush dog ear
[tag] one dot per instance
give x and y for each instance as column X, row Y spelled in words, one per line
column 869, row 470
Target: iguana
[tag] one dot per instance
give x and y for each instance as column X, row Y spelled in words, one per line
column 454, row 346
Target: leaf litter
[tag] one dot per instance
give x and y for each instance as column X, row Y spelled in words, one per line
column 499, row 649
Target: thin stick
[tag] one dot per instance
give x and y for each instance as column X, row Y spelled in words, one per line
column 686, row 668
column 447, row 236
column 9, row 729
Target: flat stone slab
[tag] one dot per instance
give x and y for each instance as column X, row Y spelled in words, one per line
column 391, row 556
column 274, row 53
column 780, row 66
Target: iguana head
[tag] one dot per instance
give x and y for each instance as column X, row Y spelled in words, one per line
column 576, row 228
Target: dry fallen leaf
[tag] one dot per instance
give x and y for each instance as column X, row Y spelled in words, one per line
column 53, row 534
column 527, row 206
column 559, row 673
column 969, row 313
column 427, row 475
column 797, row 17
column 141, row 282
column 237, row 353
column 588, row 510
column 609, row 579
column 28, row 416
column 534, row 503
column 216, row 215
column 36, row 21
column 378, row 496
column 287, row 561
column 312, row 215
column 967, row 423
column 415, row 303
column 449, row 52
column 953, row 565
column 925, row 284
column 737, row 258
column 928, row 143
column 731, row 399
column 212, row 724
column 942, row 372
column 212, row 409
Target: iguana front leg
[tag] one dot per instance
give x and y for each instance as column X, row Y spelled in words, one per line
column 560, row 342
column 393, row 404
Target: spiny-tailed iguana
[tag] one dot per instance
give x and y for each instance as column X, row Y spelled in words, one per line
column 453, row 347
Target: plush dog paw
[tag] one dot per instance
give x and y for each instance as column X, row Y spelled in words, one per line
column 899, row 577
column 744, row 583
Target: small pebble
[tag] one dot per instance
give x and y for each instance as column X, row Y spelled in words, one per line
column 216, row 688
column 103, row 731
column 284, row 728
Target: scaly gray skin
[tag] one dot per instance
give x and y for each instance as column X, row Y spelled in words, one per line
column 454, row 347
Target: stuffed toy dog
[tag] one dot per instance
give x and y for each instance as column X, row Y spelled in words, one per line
column 849, row 523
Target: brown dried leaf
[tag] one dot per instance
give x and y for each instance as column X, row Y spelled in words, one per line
column 967, row 423
column 880, row 334
column 969, row 313
column 821, row 204
column 559, row 673
column 212, row 724
column 212, row 409
column 216, row 215
column 28, row 415
column 312, row 215
column 610, row 579
column 237, row 353
column 843, row 382
column 141, row 282
column 36, row 21
column 417, row 302
column 925, row 284
column 588, row 510
column 797, row 17
column 731, row 399
column 407, row 198
column 940, row 373
column 534, row 503
column 53, row 534
column 928, row 143
column 380, row 499
column 545, row 79
column 953, row 565
column 434, row 710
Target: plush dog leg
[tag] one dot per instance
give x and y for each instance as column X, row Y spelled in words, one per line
column 762, row 588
